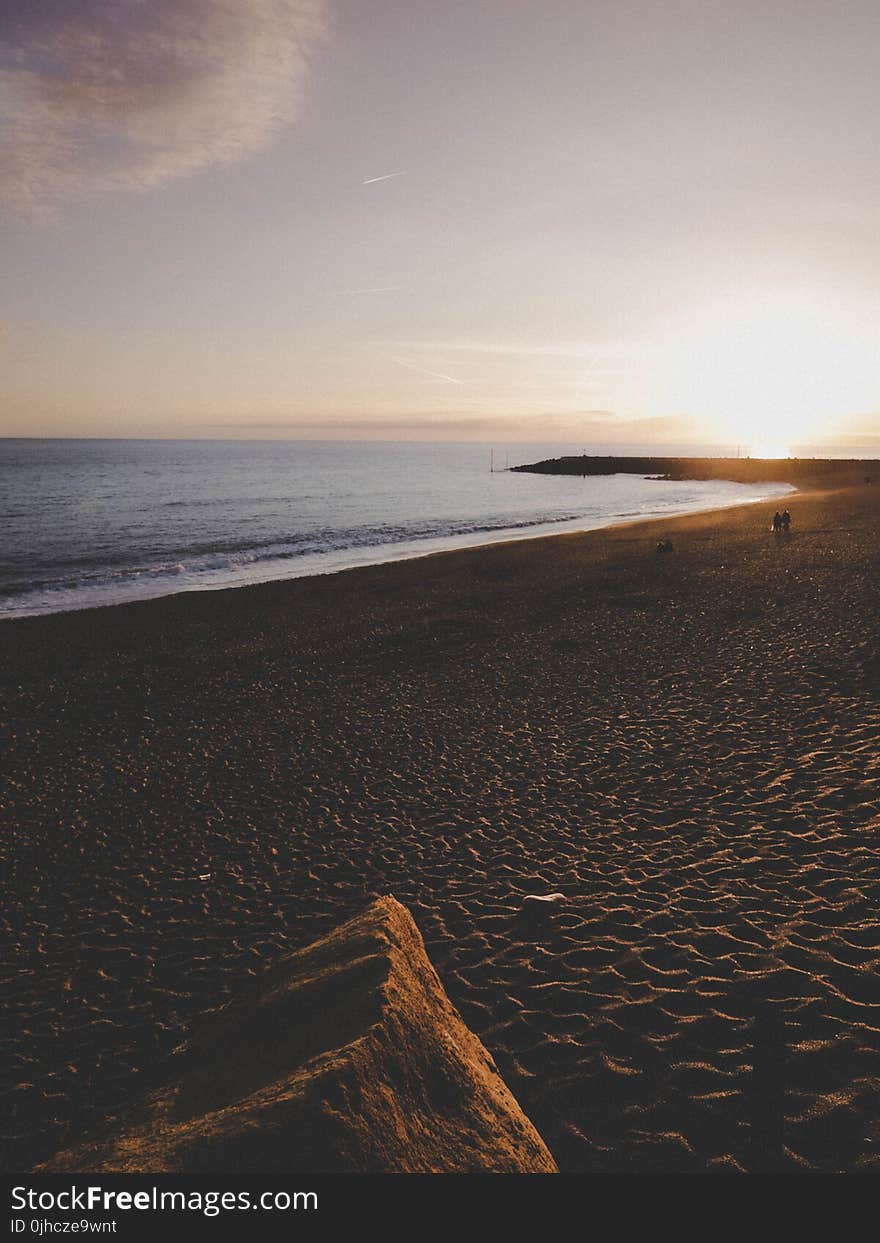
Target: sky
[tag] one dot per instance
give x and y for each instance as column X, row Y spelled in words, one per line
column 632, row 221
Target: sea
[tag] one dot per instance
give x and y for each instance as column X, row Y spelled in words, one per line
column 100, row 522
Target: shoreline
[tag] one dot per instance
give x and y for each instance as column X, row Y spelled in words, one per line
column 684, row 746
column 539, row 532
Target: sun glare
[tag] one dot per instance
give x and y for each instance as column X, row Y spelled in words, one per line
column 767, row 448
column 769, row 376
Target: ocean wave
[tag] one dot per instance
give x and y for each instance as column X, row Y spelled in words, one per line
column 86, row 529
column 83, row 572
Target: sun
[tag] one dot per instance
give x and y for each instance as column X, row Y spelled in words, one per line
column 762, row 448
column 771, row 374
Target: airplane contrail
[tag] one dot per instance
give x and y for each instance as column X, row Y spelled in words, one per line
column 376, row 289
column 371, row 181
column 437, row 375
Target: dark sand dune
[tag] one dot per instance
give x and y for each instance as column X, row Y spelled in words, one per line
column 345, row 1057
column 685, row 746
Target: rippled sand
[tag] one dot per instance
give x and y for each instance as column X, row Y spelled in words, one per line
column 685, row 746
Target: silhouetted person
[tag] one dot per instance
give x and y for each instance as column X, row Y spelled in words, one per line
column 777, row 522
column 786, row 519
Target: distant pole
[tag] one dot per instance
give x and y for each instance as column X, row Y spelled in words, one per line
column 491, row 461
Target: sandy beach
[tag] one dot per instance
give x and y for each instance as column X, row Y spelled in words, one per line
column 684, row 745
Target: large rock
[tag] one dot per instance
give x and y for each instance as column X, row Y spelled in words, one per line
column 348, row 1056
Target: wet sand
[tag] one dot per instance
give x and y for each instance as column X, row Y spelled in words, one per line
column 684, row 745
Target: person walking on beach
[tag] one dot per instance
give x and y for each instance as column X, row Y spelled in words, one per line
column 786, row 520
column 777, row 522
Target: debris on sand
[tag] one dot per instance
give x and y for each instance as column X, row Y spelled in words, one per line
column 348, row 1056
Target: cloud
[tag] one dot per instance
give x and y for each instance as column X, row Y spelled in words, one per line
column 435, row 375
column 860, row 439
column 128, row 94
column 602, row 358
column 434, row 425
column 578, row 350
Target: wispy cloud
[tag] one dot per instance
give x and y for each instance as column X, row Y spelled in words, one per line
column 858, row 439
column 432, row 425
column 437, row 375
column 128, row 95
column 516, row 349
column 598, row 358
